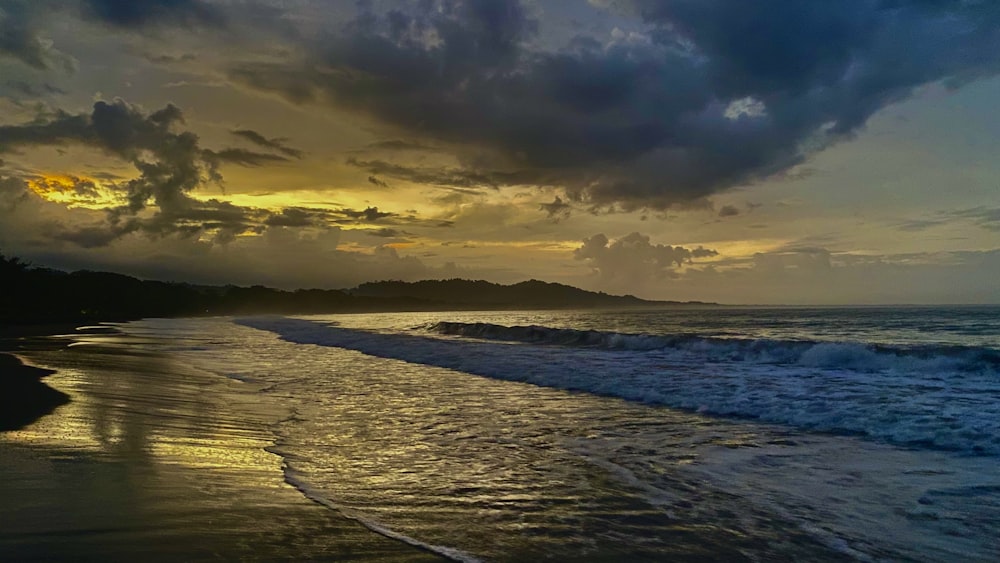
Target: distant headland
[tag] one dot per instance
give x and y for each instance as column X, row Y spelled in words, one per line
column 34, row 295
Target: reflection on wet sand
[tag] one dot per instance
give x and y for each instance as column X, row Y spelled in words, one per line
column 155, row 460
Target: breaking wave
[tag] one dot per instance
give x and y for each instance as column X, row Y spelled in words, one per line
column 945, row 398
column 847, row 355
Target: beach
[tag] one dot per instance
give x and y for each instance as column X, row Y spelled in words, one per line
column 512, row 436
column 153, row 460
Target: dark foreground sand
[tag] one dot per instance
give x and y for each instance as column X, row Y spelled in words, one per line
column 24, row 397
column 150, row 460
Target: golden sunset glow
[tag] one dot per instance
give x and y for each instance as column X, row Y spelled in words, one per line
column 75, row 191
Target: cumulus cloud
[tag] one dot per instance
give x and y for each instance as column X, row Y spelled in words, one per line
column 700, row 106
column 633, row 259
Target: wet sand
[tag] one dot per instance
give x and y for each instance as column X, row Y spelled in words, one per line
column 151, row 460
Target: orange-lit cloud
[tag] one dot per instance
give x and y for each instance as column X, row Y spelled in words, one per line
column 75, row 191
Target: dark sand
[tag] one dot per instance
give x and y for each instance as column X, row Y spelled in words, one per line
column 24, row 397
column 150, row 460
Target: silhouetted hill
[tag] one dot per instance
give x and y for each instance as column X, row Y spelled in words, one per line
column 41, row 295
column 528, row 294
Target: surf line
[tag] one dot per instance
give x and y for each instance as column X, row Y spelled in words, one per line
column 444, row 551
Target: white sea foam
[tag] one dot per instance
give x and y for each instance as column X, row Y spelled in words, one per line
column 303, row 486
column 945, row 398
column 851, row 355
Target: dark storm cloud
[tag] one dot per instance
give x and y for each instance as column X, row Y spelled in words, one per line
column 277, row 144
column 140, row 13
column 17, row 40
column 20, row 23
column 716, row 93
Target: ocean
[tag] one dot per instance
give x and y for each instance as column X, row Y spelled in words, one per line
column 682, row 434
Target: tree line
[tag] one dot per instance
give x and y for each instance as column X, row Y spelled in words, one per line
column 37, row 295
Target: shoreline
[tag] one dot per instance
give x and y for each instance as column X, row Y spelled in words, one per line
column 24, row 396
column 152, row 460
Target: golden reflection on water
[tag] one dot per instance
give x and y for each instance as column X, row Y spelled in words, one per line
column 147, row 408
column 63, row 428
column 153, row 459
column 207, row 453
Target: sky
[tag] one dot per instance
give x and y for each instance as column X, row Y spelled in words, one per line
column 737, row 151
